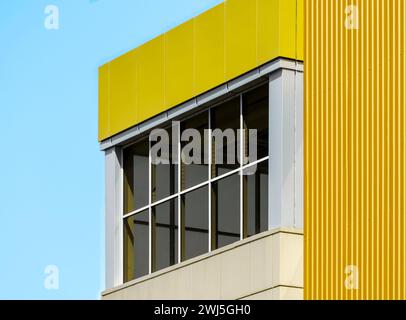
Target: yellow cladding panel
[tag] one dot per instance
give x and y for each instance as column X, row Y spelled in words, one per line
column 209, row 49
column 355, row 144
column 179, row 64
column 123, row 91
column 268, row 30
column 217, row 46
column 241, row 37
column 299, row 30
column 104, row 129
column 150, row 79
column 287, row 27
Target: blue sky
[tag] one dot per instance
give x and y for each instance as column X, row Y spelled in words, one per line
column 51, row 169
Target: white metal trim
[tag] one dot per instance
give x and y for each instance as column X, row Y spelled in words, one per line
column 209, row 183
column 121, row 210
column 242, row 159
column 179, row 196
column 149, row 207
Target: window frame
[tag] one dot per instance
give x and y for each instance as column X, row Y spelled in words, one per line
column 209, row 182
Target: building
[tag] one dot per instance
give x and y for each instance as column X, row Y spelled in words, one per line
column 300, row 220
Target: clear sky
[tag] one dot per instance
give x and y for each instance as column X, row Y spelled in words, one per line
column 51, row 169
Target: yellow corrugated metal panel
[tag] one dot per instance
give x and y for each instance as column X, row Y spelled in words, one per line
column 241, row 37
column 209, row 50
column 355, row 150
column 123, row 90
column 179, row 64
column 219, row 45
column 104, row 129
column 150, row 79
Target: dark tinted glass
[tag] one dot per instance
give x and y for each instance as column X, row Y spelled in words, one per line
column 224, row 123
column 136, row 246
column 136, row 171
column 164, row 175
column 256, row 116
column 165, row 234
column 256, row 199
column 196, row 223
column 196, row 172
column 226, row 211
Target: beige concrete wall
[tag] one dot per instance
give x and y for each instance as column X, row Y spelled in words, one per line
column 266, row 266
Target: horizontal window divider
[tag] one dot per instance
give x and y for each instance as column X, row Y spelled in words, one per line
column 247, row 166
column 157, row 203
column 196, row 187
column 145, row 208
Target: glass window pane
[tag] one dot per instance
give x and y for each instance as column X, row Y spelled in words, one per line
column 224, row 123
column 165, row 234
column 197, row 171
column 256, row 199
column 226, row 211
column 195, row 213
column 136, row 171
column 136, row 246
column 256, row 116
column 164, row 176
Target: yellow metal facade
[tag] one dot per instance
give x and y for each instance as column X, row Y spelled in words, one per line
column 217, row 46
column 355, row 149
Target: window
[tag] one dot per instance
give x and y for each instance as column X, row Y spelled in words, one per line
column 196, row 172
column 195, row 229
column 256, row 116
column 136, row 182
column 255, row 193
column 164, row 176
column 180, row 209
column 136, row 246
column 226, row 211
column 165, row 235
column 225, row 121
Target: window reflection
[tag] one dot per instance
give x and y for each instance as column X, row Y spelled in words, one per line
column 224, row 123
column 225, row 211
column 164, row 176
column 165, row 235
column 197, row 172
column 136, row 246
column 256, row 116
column 195, row 223
column 136, row 171
column 256, row 199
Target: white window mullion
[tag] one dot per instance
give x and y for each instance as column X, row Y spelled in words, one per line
column 242, row 146
column 149, row 205
column 209, row 185
column 121, row 212
column 179, row 164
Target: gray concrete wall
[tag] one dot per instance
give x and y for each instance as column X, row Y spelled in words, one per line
column 265, row 266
